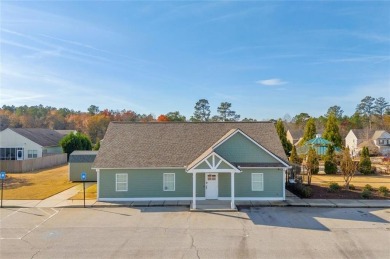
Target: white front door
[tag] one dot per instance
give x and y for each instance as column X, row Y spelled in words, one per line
column 211, row 186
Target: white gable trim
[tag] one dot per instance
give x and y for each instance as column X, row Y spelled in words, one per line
column 257, row 144
column 214, row 166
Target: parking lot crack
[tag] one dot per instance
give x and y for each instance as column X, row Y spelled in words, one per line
column 37, row 252
column 193, row 245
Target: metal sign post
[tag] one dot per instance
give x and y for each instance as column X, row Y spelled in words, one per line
column 2, row 176
column 83, row 178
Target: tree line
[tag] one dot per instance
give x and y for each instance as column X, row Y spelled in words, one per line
column 373, row 113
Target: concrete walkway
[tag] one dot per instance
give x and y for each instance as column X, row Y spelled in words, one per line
column 61, row 200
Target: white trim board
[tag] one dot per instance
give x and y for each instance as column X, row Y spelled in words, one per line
column 213, row 167
column 153, row 199
column 138, row 168
column 190, row 199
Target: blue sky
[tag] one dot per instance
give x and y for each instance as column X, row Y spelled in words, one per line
column 268, row 58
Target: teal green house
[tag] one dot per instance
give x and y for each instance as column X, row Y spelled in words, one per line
column 191, row 161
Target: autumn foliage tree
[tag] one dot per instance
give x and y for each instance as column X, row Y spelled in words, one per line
column 162, row 118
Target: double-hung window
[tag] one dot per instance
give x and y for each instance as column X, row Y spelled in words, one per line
column 169, row 182
column 121, row 182
column 32, row 153
column 257, row 182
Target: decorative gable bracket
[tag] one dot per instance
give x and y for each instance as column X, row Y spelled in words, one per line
column 213, row 163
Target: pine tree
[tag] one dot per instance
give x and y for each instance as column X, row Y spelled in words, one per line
column 310, row 130
column 202, row 111
column 282, row 136
column 294, row 158
column 330, row 163
column 365, row 162
column 331, row 132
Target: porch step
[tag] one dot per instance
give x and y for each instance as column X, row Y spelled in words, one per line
column 213, row 205
column 213, row 208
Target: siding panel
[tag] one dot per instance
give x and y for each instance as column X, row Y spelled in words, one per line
column 240, row 149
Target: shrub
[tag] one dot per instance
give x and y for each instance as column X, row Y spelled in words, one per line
column 330, row 167
column 300, row 190
column 366, row 194
column 352, row 187
column 333, row 187
column 368, row 187
column 384, row 190
column 307, row 192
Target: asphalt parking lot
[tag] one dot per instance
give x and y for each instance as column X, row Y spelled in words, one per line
column 174, row 232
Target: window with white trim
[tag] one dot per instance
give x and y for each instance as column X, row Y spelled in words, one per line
column 257, row 182
column 169, row 182
column 121, row 182
column 32, row 153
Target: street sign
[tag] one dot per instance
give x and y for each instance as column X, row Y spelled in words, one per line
column 2, row 177
column 83, row 176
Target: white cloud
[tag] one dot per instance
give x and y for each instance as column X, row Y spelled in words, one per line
column 272, row 82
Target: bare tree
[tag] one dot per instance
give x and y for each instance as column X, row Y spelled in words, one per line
column 348, row 167
column 311, row 164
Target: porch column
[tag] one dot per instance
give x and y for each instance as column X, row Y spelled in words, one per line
column 232, row 205
column 194, row 191
column 284, row 183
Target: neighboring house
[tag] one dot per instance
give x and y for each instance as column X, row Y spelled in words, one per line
column 191, row 161
column 377, row 141
column 66, row 132
column 319, row 144
column 294, row 136
column 81, row 161
column 26, row 143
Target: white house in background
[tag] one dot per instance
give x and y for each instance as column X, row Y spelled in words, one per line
column 66, row 132
column 378, row 140
column 26, row 143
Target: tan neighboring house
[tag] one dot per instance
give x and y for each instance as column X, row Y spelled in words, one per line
column 28, row 143
column 294, row 136
column 377, row 141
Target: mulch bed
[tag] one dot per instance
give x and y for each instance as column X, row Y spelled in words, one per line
column 320, row 192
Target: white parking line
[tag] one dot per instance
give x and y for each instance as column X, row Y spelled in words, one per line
column 35, row 227
column 10, row 214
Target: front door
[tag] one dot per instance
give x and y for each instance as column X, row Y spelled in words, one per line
column 19, row 154
column 211, row 186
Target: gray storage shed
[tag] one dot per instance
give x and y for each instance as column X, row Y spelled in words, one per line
column 81, row 161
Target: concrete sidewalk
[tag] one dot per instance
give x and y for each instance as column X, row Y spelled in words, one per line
column 61, row 200
column 289, row 202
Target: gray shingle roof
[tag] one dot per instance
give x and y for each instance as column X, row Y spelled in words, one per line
column 82, row 156
column 296, row 133
column 175, row 144
column 43, row 137
column 363, row 133
column 66, row 132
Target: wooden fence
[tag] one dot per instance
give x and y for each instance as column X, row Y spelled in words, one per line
column 23, row 166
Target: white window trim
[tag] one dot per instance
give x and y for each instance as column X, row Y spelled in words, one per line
column 32, row 153
column 174, row 182
column 126, row 181
column 262, row 182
